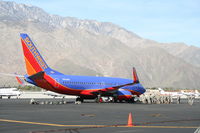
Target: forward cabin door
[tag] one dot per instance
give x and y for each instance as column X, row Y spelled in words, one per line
column 56, row 82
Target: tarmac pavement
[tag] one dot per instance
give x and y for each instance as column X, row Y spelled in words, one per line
column 18, row 116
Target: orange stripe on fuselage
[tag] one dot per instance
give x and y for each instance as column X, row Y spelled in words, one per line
column 61, row 88
column 49, row 83
column 66, row 90
column 29, row 68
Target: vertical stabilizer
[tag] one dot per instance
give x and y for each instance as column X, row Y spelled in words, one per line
column 135, row 77
column 34, row 61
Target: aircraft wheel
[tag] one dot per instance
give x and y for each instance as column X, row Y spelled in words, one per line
column 82, row 100
column 120, row 101
column 0, row 97
column 79, row 99
column 8, row 97
column 115, row 100
column 130, row 100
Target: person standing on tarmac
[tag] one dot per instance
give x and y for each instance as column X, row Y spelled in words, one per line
column 188, row 100
column 178, row 99
column 165, row 99
column 171, row 99
column 149, row 99
column 191, row 100
column 145, row 99
column 157, row 99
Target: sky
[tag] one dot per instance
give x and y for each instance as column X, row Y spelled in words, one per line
column 164, row 21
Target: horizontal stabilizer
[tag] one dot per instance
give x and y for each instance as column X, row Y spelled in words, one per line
column 11, row 75
column 19, row 81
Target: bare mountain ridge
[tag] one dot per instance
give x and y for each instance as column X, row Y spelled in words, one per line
column 90, row 47
column 21, row 12
column 190, row 54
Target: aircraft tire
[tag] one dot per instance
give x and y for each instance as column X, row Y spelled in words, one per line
column 115, row 100
column 120, row 101
column 131, row 100
column 79, row 99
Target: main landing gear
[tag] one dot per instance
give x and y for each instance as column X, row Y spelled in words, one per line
column 132, row 100
column 79, row 99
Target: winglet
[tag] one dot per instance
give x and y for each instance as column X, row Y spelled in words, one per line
column 135, row 77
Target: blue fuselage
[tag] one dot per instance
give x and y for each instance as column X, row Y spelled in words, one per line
column 83, row 85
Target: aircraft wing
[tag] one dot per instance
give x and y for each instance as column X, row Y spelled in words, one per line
column 21, row 82
column 12, row 75
column 105, row 90
column 114, row 88
column 135, row 81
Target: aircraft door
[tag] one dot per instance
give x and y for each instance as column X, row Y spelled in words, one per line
column 56, row 82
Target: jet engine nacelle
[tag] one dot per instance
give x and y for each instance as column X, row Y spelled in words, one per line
column 124, row 95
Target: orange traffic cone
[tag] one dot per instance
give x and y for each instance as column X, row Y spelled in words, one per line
column 130, row 121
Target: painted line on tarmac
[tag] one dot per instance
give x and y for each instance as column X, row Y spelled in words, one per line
column 45, row 124
column 164, row 126
column 60, row 125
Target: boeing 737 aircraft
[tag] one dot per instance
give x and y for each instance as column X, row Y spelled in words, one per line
column 85, row 87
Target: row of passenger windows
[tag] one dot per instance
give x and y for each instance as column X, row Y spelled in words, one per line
column 88, row 83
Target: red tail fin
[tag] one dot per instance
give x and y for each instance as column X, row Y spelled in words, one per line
column 34, row 61
column 135, row 77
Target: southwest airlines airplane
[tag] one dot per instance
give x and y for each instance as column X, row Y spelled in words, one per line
column 85, row 87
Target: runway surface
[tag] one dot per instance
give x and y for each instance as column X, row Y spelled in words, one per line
column 18, row 116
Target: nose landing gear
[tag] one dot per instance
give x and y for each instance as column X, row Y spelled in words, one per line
column 99, row 99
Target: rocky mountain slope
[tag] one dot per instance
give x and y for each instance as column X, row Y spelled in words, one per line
column 88, row 47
